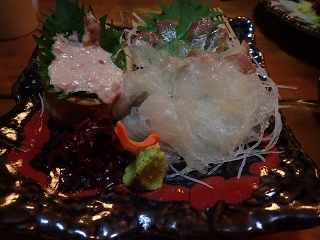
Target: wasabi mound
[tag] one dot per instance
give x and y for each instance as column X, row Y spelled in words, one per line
column 148, row 171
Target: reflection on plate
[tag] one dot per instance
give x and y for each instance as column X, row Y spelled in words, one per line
column 288, row 12
column 279, row 194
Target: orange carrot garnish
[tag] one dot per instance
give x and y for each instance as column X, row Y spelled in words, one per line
column 133, row 146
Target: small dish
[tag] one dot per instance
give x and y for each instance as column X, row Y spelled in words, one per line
column 286, row 10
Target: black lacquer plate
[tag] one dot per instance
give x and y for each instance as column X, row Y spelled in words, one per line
column 277, row 195
column 285, row 10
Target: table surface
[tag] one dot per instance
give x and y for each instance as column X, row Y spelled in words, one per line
column 291, row 56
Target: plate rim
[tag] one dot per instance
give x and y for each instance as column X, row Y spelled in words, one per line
column 214, row 231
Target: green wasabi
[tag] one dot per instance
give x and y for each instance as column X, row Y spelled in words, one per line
column 148, row 171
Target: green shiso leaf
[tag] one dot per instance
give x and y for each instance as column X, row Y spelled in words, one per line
column 218, row 22
column 62, row 96
column 91, row 9
column 110, row 38
column 185, row 13
column 52, row 90
column 43, row 33
column 151, row 24
column 68, row 18
column 110, row 41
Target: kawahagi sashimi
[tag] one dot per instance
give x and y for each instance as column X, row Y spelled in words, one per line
column 194, row 87
column 197, row 89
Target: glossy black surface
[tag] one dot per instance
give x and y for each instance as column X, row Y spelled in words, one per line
column 288, row 197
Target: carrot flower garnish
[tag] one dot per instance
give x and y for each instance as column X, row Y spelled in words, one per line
column 133, row 146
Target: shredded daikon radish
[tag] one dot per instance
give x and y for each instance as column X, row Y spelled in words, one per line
column 168, row 79
column 42, row 104
column 142, row 23
column 130, row 35
column 191, row 178
column 168, row 100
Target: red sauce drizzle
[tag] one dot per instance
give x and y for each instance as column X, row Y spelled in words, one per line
column 36, row 134
column 262, row 168
column 232, row 190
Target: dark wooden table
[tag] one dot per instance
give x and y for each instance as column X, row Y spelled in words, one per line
column 292, row 58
